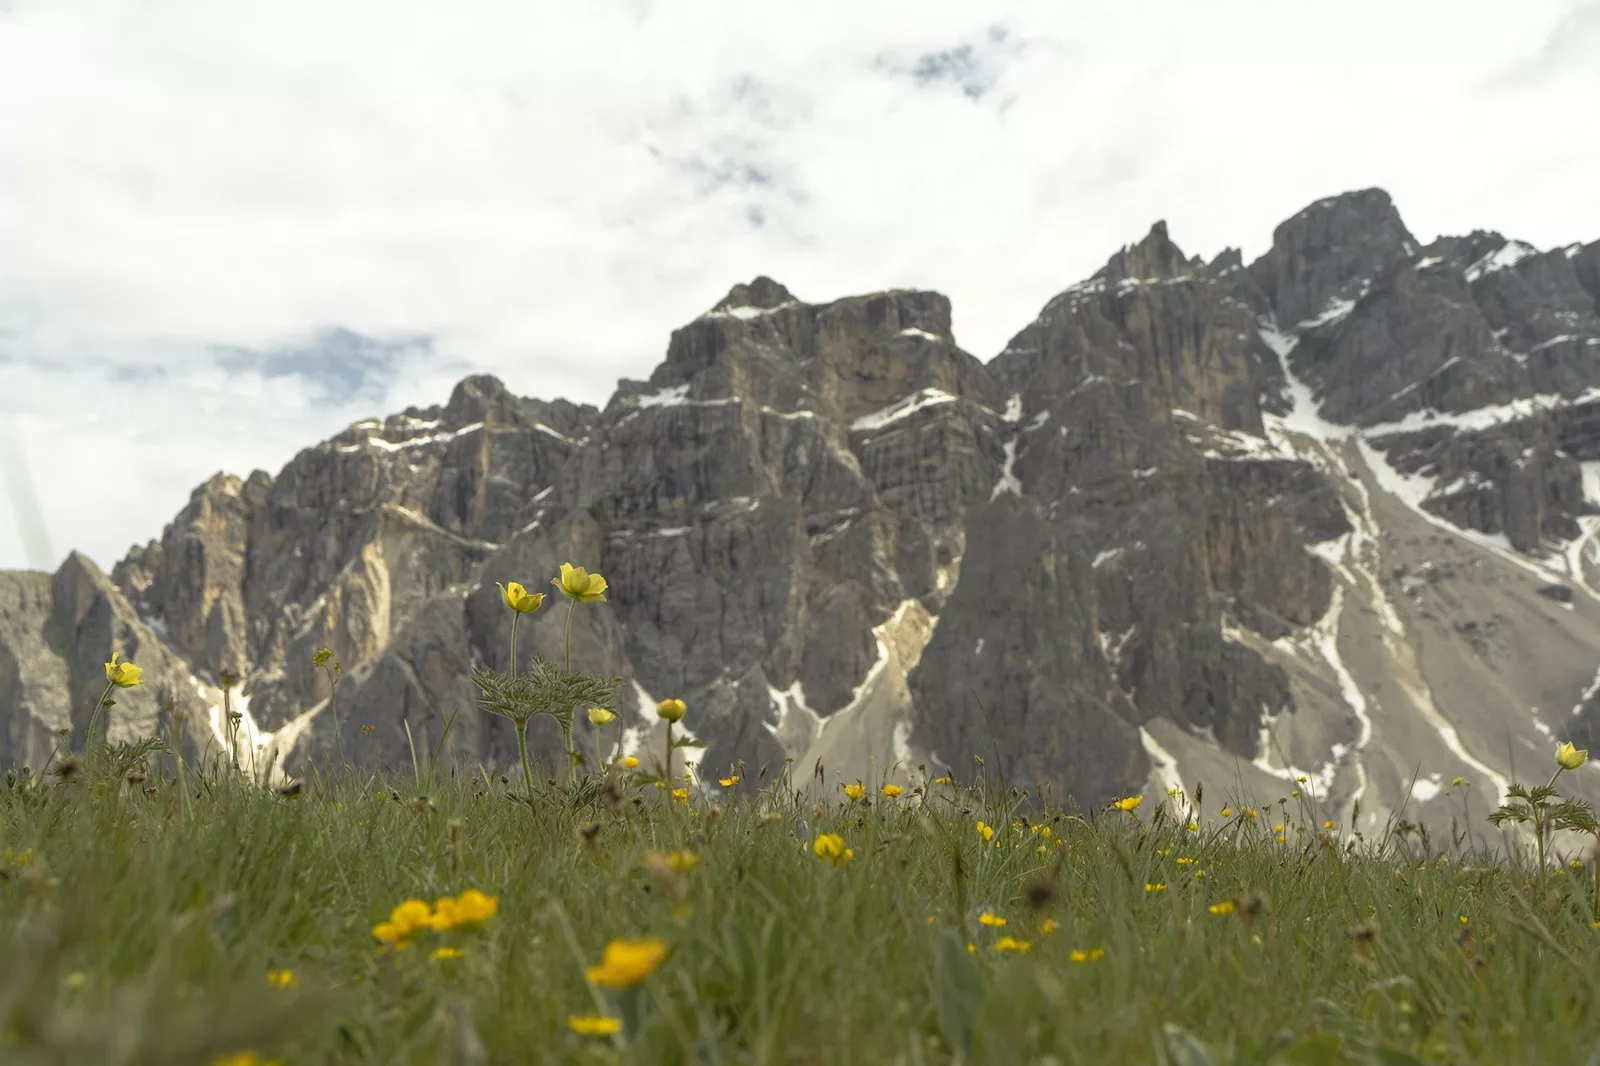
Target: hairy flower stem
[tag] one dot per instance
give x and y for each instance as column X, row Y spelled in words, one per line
column 515, row 617
column 95, row 719
column 566, row 724
column 669, row 753
column 571, row 603
column 227, row 721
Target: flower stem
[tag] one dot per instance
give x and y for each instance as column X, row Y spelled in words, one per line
column 571, row 603
column 333, row 705
column 522, row 749
column 95, row 719
column 515, row 617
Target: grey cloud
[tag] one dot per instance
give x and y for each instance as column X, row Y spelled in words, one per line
column 342, row 364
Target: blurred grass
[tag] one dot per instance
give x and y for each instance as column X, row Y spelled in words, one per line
column 135, row 934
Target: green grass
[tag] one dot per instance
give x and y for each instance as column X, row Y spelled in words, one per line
column 138, row 932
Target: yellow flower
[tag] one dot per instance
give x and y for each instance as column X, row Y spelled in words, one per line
column 1155, row 886
column 991, row 919
column 971, row 948
column 1327, row 825
column 627, row 962
column 518, row 599
column 446, row 953
column 671, row 710
column 127, row 675
column 1044, row 831
column 1092, row 955
column 1183, row 860
column 1576, row 864
column 1463, row 918
column 683, row 861
column 728, row 782
column 76, row 980
column 1171, row 792
column 1194, row 827
column 1295, row 794
column 282, row 979
column 406, row 920
column 855, row 791
column 578, row 584
column 600, row 716
column 1007, row 943
column 1048, row 926
column 891, row 791
column 945, row 780
column 1251, row 813
column 1128, row 803
column 1225, row 907
column 986, row 831
column 1457, row 782
column 1300, row 780
column 628, row 762
column 1568, row 756
column 245, row 1058
column 681, row 795
column 593, row 1024
column 462, row 912
column 1227, row 812
column 830, row 848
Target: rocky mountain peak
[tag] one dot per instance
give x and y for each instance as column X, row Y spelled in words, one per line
column 1156, row 258
column 762, row 294
column 1328, row 249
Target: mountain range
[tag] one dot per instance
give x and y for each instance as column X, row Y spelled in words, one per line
column 1330, row 515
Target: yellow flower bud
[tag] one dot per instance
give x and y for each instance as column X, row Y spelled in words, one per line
column 672, row 710
column 1570, row 757
column 578, row 584
column 127, row 675
column 600, row 716
column 518, row 598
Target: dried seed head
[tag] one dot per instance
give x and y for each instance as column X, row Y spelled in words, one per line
column 67, row 768
column 228, row 679
column 394, row 794
column 591, row 835
column 1041, row 893
column 1365, row 935
column 290, row 790
column 422, row 805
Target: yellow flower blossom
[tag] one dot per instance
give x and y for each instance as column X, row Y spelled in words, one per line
column 681, row 795
column 628, row 762
column 855, row 791
column 891, row 791
column 945, row 780
column 1171, row 792
column 1227, row 812
column 1007, row 943
column 1225, row 907
column 578, row 584
column 1300, row 780
column 1251, row 813
column 1155, row 886
column 600, row 716
column 1457, row 782
column 1569, row 757
column 986, row 831
column 683, row 861
column 405, row 921
column 593, row 1024
column 1183, row 860
column 728, row 782
column 972, row 948
column 1194, row 827
column 469, row 909
column 671, row 710
column 446, row 953
column 1049, row 926
column 1327, row 825
column 245, row 1058
column 1128, row 803
column 830, row 848
column 127, row 675
column 989, row 918
column 1092, row 955
column 518, row 599
column 282, row 979
column 627, row 962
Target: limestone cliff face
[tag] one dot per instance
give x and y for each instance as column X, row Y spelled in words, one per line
column 1154, row 521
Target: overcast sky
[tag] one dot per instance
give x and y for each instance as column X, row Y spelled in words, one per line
column 229, row 229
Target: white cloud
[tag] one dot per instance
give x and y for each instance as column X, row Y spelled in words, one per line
column 547, row 190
